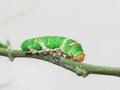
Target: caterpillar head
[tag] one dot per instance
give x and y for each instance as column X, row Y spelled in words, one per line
column 80, row 57
column 76, row 51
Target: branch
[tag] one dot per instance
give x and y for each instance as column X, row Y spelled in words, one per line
column 80, row 69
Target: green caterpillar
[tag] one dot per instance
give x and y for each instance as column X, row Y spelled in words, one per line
column 68, row 46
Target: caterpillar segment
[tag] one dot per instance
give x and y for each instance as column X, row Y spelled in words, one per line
column 44, row 48
column 63, row 44
column 57, row 52
column 56, row 45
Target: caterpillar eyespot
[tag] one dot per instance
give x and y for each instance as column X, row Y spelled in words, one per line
column 73, row 44
column 56, row 44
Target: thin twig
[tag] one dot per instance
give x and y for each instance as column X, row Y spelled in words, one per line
column 81, row 69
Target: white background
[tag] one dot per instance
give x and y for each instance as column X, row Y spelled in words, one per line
column 93, row 23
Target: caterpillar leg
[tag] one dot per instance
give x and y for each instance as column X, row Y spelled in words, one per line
column 58, row 52
column 55, row 52
column 44, row 48
column 33, row 51
column 63, row 44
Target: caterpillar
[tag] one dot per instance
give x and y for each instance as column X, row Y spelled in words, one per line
column 47, row 43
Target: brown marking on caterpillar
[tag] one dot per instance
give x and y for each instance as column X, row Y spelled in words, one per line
column 73, row 44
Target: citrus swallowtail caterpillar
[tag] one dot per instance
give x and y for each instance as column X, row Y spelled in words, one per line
column 55, row 43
